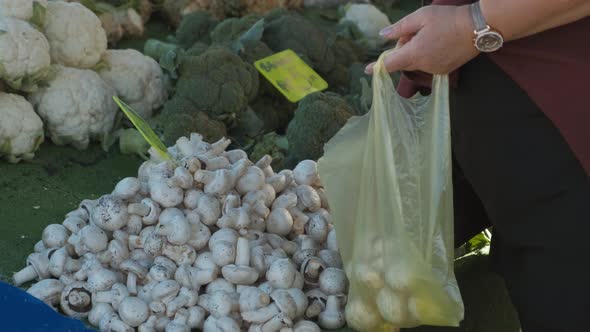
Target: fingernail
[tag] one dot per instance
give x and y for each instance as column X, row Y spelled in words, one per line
column 386, row 31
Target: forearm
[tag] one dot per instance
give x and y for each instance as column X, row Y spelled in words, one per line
column 518, row 19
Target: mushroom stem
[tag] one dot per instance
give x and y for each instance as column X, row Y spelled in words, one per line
column 139, row 209
column 132, row 283
column 27, row 274
column 276, row 323
column 314, row 309
column 242, row 252
column 261, row 315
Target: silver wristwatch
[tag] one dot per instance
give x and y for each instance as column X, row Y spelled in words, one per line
column 486, row 39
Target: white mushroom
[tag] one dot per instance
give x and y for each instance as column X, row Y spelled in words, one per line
column 112, row 322
column 47, row 290
column 134, row 271
column 307, row 198
column 182, row 178
column 333, row 316
column 37, row 267
column 392, row 306
column 99, row 310
column 147, row 208
column 252, row 180
column 76, row 300
column 60, row 262
column 306, row 172
column 196, row 317
column 90, row 239
column 306, row 326
column 133, row 311
column 110, row 213
column 281, row 274
column 218, row 304
column 279, row 222
column 54, row 236
column 163, row 268
column 333, row 281
column 186, row 298
column 127, row 188
column 179, row 323
column 253, row 298
column 221, row 181
column 176, row 229
column 114, row 296
column 241, row 273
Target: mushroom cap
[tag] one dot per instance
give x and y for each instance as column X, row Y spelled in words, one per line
column 306, row 326
column 165, row 290
column 76, row 300
column 119, row 293
column 99, row 310
column 110, row 213
column 132, row 266
column 57, row 262
column 300, row 300
column 40, row 262
column 333, row 281
column 285, row 302
column 281, row 273
column 127, row 188
column 101, row 279
column 279, row 222
column 54, row 236
column 93, row 238
column 239, row 274
column 154, row 213
column 47, row 290
column 133, row 311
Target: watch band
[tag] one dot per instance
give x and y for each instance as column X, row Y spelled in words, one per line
column 478, row 19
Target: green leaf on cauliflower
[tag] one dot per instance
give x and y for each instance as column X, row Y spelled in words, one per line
column 38, row 18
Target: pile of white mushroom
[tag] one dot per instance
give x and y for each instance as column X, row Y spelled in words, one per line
column 207, row 240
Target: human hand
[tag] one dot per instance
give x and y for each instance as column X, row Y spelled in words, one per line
column 433, row 39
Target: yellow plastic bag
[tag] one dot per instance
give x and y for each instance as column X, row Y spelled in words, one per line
column 387, row 175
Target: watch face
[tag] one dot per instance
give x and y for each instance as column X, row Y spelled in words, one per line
column 489, row 41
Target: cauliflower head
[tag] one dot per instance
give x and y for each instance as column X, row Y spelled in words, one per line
column 24, row 54
column 21, row 129
column 76, row 106
column 21, row 9
column 137, row 79
column 217, row 82
column 369, row 20
column 75, row 34
column 318, row 117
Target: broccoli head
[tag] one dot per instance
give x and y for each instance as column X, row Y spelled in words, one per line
column 317, row 119
column 179, row 118
column 217, row 82
column 346, row 52
column 195, row 27
column 274, row 113
column 271, row 144
column 293, row 31
column 230, row 29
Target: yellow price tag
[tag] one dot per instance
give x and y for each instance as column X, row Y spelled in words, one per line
column 290, row 75
column 143, row 128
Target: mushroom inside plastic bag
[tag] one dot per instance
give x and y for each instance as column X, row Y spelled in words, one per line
column 387, row 175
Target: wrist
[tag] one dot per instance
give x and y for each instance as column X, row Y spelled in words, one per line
column 490, row 15
column 486, row 38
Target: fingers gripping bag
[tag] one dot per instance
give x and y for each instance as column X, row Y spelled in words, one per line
column 387, row 175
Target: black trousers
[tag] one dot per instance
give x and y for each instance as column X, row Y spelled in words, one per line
column 513, row 170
